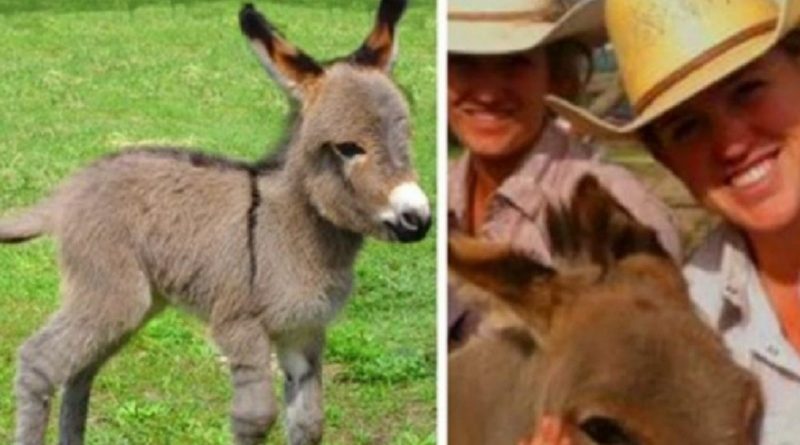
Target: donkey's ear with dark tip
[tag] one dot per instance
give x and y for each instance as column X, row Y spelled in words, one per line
column 380, row 47
column 494, row 267
column 612, row 231
column 291, row 68
column 390, row 11
column 501, row 285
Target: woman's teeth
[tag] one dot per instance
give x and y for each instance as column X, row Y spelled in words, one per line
column 753, row 174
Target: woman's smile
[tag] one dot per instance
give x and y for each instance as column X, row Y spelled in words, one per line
column 758, row 178
column 488, row 118
column 734, row 144
column 495, row 103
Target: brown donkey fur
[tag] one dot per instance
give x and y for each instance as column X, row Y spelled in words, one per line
column 263, row 252
column 606, row 339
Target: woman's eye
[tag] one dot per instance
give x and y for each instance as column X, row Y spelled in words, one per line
column 747, row 90
column 683, row 130
column 348, row 149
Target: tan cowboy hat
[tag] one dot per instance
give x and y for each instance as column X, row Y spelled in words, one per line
column 670, row 50
column 506, row 26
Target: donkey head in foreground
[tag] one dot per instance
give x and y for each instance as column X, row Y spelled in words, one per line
column 605, row 340
column 351, row 142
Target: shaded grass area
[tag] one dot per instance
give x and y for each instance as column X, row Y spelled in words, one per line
column 79, row 84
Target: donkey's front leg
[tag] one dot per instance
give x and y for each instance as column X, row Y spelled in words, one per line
column 254, row 410
column 301, row 360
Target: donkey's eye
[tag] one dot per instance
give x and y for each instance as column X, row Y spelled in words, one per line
column 348, row 149
column 605, row 431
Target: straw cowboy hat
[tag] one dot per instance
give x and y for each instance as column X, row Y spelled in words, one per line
column 670, row 50
column 505, row 26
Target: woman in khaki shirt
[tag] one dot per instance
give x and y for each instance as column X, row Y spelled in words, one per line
column 716, row 89
column 504, row 57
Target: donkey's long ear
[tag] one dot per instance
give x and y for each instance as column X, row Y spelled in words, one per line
column 289, row 66
column 500, row 284
column 380, row 48
column 601, row 227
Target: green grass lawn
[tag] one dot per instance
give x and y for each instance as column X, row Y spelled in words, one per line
column 80, row 80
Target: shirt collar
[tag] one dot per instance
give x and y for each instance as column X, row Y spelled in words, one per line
column 746, row 306
column 521, row 189
column 735, row 270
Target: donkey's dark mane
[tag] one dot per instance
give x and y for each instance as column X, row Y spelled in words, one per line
column 197, row 158
column 192, row 156
column 274, row 160
column 276, row 156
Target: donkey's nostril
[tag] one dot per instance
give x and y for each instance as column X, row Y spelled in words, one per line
column 408, row 215
column 410, row 220
column 411, row 226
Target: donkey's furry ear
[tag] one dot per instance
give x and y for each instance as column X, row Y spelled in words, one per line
column 498, row 283
column 599, row 225
column 289, row 66
column 380, row 48
column 492, row 266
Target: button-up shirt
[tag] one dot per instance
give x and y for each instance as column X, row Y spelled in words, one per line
column 548, row 175
column 725, row 286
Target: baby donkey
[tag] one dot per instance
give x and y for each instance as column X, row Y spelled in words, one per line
column 605, row 338
column 263, row 252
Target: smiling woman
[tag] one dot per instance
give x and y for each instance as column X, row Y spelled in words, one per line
column 723, row 114
column 495, row 105
column 504, row 58
column 516, row 159
column 726, row 144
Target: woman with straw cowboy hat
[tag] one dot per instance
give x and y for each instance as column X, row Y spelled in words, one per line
column 716, row 89
column 504, row 56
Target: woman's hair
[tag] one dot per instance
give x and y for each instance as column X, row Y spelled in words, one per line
column 790, row 44
column 570, row 67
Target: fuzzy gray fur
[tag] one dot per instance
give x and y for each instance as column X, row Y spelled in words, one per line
column 263, row 253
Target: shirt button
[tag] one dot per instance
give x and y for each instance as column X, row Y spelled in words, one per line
column 772, row 350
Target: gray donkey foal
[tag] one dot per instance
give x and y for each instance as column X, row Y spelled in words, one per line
column 264, row 252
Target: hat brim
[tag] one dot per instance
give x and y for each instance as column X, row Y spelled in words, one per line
column 790, row 18
column 584, row 22
column 686, row 88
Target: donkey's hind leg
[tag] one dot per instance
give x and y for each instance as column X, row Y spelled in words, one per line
column 75, row 407
column 75, row 398
column 67, row 349
column 246, row 347
column 301, row 360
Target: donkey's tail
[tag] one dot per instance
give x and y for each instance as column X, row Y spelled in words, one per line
column 29, row 224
